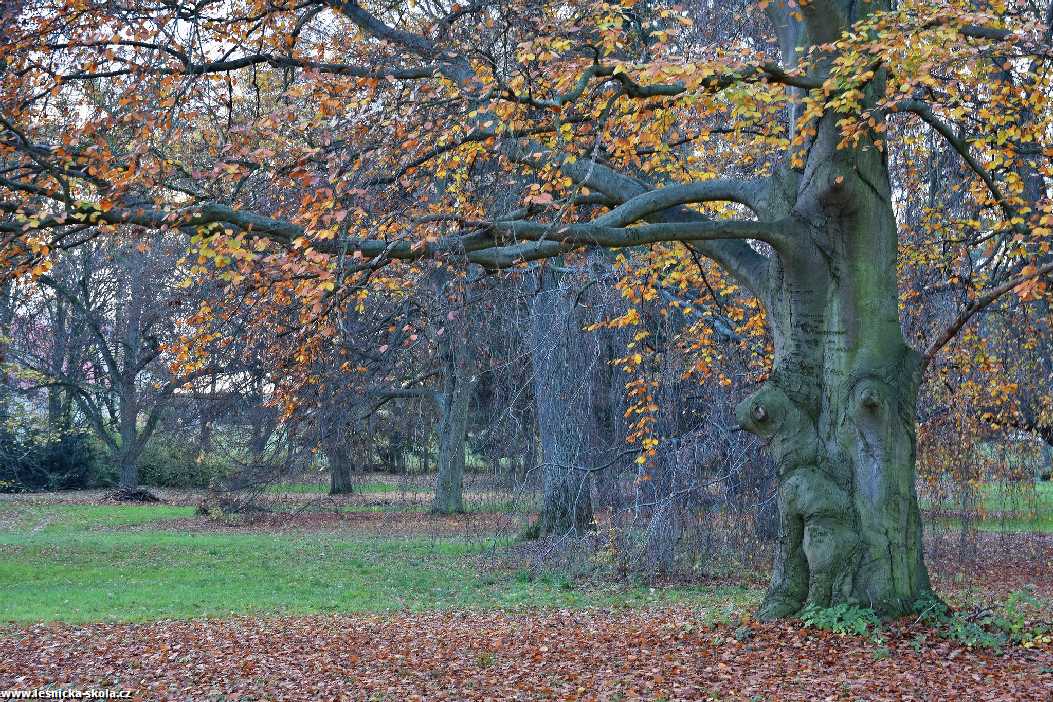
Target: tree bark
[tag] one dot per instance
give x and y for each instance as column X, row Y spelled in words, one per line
column 128, row 471
column 6, row 318
column 334, row 430
column 452, row 403
column 130, row 447
column 562, row 409
column 57, row 363
column 608, row 401
column 839, row 408
column 341, row 468
column 1046, row 469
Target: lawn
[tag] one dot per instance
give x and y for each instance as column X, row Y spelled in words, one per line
column 1009, row 507
column 85, row 563
column 372, row 488
column 397, row 496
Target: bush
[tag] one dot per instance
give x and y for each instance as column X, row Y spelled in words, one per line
column 39, row 461
column 167, row 463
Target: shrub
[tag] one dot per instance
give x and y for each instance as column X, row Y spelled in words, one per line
column 972, row 632
column 37, row 460
column 167, row 463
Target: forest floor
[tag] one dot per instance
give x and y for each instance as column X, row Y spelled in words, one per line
column 369, row 597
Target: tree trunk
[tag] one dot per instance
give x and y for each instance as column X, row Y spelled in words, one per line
column 340, row 468
column 839, row 407
column 397, row 452
column 608, row 401
column 562, row 402
column 129, row 449
column 1046, row 469
column 6, row 318
column 452, row 403
column 128, row 467
column 57, row 363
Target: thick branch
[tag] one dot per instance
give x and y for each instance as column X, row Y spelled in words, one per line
column 373, row 26
column 620, row 237
column 652, row 201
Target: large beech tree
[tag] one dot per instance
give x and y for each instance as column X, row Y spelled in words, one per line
column 325, row 148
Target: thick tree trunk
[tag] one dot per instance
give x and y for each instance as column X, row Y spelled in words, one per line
column 128, row 471
column 334, row 438
column 608, row 401
column 562, row 402
column 839, row 407
column 341, row 468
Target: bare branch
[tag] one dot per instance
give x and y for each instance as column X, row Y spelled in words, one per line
column 979, row 305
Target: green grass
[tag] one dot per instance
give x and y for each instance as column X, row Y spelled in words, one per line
column 422, row 502
column 1011, row 508
column 73, row 563
column 376, row 488
column 997, row 497
column 1018, row 508
column 66, row 519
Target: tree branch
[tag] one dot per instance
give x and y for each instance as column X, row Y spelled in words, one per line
column 370, row 24
column 980, row 304
column 961, row 146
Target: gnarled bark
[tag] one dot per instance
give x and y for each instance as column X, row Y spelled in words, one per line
column 838, row 410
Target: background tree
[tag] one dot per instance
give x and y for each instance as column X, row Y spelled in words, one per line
column 106, row 317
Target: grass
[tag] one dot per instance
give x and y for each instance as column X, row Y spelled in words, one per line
column 998, row 497
column 1011, row 508
column 375, row 488
column 421, row 497
column 71, row 518
column 73, row 563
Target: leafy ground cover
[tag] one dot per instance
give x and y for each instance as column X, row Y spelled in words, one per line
column 655, row 654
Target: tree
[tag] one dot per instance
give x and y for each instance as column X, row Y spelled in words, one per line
column 562, row 399
column 494, row 135
column 7, row 313
column 364, row 371
column 106, row 319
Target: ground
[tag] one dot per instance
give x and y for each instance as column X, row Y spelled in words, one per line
column 668, row 653
column 369, row 597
